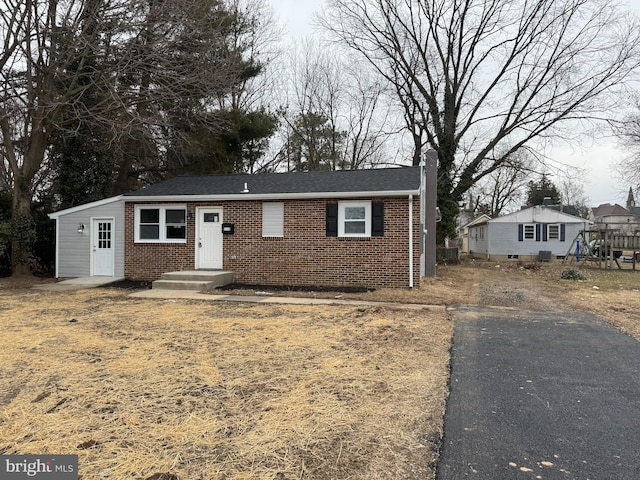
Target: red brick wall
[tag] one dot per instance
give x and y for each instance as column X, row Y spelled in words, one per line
column 305, row 256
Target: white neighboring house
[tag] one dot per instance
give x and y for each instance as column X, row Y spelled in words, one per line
column 464, row 231
column 525, row 233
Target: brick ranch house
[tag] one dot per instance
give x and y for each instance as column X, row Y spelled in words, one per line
column 341, row 228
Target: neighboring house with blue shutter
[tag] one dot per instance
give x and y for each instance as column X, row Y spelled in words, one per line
column 334, row 228
column 524, row 234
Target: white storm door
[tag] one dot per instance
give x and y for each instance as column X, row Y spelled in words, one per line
column 102, row 247
column 209, row 239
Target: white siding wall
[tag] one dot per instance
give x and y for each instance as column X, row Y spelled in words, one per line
column 504, row 240
column 479, row 240
column 74, row 250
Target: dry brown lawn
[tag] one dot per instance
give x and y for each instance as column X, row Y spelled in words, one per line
column 214, row 390
column 612, row 294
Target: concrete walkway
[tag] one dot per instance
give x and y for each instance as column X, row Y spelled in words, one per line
column 189, row 295
column 167, row 294
column 541, row 395
column 77, row 283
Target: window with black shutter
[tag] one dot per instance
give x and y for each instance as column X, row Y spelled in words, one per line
column 332, row 220
column 355, row 218
column 377, row 219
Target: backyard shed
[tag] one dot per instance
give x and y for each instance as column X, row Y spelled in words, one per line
column 90, row 239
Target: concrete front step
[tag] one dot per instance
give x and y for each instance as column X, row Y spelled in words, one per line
column 194, row 280
column 179, row 285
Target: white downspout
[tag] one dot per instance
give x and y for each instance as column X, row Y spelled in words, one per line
column 57, row 249
column 410, row 241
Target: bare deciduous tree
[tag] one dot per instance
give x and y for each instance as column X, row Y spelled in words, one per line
column 138, row 69
column 504, row 188
column 572, row 193
column 36, row 37
column 255, row 34
column 487, row 75
column 334, row 111
column 628, row 166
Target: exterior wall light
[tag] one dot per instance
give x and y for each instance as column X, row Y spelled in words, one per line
column 80, row 228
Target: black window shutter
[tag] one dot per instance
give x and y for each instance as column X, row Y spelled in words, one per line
column 563, row 232
column 377, row 219
column 544, row 232
column 538, row 230
column 520, row 232
column 332, row 220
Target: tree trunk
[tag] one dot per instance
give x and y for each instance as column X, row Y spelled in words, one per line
column 417, row 147
column 22, row 226
column 22, row 230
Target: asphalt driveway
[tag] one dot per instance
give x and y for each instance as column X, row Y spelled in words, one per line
column 541, row 395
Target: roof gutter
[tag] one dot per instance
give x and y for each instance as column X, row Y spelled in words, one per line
column 265, row 196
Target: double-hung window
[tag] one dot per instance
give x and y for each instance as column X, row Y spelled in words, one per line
column 161, row 224
column 553, row 231
column 529, row 232
column 354, row 219
column 362, row 218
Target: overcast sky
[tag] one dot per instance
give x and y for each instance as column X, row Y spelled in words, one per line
column 596, row 158
column 296, row 15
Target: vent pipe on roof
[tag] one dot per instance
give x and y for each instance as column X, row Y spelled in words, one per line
column 246, row 188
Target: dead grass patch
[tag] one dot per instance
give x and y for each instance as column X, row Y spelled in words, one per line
column 221, row 391
column 615, row 298
column 243, row 391
column 611, row 294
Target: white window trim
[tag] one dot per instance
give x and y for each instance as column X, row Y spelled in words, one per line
column 163, row 225
column 273, row 219
column 367, row 214
column 549, row 231
column 533, row 232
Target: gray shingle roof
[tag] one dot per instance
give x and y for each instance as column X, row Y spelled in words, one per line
column 607, row 209
column 343, row 181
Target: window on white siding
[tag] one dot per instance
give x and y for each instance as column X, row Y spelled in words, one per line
column 273, row 219
column 529, row 232
column 553, row 232
column 161, row 224
column 354, row 219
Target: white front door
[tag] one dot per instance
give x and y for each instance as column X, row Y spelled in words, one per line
column 209, row 239
column 102, row 232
